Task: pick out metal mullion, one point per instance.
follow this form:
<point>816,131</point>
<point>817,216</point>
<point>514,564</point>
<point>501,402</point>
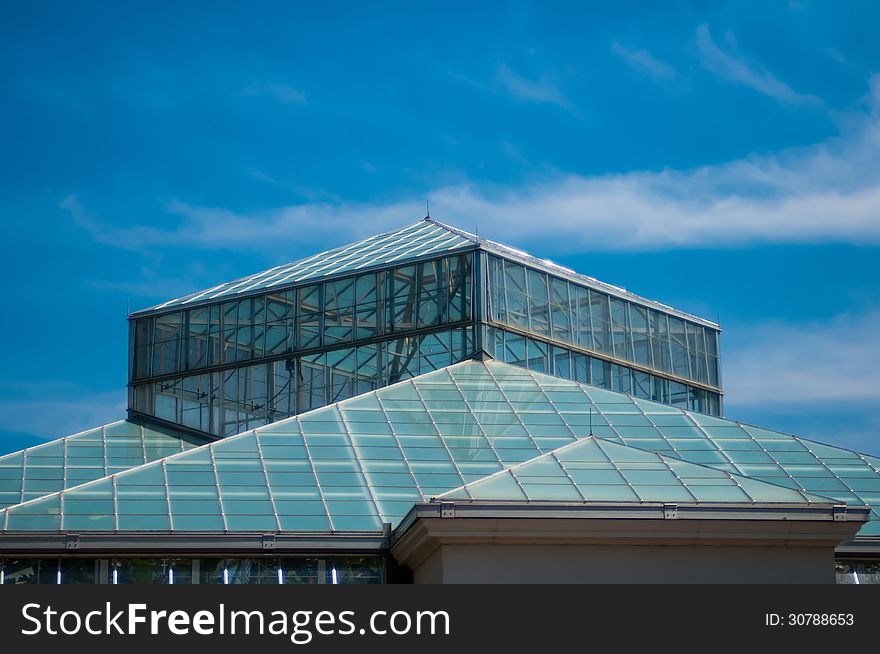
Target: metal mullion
<point>735,481</point>
<point>684,483</point>
<point>525,259</point>
<point>115,504</point>
<point>360,466</point>
<point>437,247</point>
<point>317,480</point>
<point>442,238</point>
<point>266,477</point>
<point>346,253</point>
<point>260,277</point>
<point>168,496</point>
<point>199,295</point>
<point>607,420</point>
<point>477,422</point>
<point>552,404</point>
<point>397,440</point>
<point>217,486</point>
<point>422,238</point>
<point>568,476</point>
<point>821,462</point>
<point>143,435</point>
<point>24,468</point>
<point>611,358</point>
<point>439,435</point>
<point>264,276</point>
<point>64,463</point>
<point>620,472</point>
<point>387,247</point>
<point>355,249</point>
<point>660,430</point>
<point>409,250</point>
<point>106,453</point>
<point>522,424</point>
<point>283,285</point>
<point>515,413</point>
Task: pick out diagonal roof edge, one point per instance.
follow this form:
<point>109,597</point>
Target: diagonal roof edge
<point>820,499</point>
<point>212,443</point>
<point>552,267</point>
<point>282,277</point>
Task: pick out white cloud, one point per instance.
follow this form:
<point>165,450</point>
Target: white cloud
<point>644,61</point>
<point>827,192</point>
<point>779,364</point>
<point>542,90</point>
<point>736,68</point>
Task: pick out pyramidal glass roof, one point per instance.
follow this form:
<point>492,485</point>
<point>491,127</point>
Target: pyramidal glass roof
<point>362,462</point>
<point>83,457</point>
<point>423,238</point>
<point>593,470</point>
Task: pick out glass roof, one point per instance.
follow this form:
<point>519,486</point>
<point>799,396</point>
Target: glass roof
<point>83,457</point>
<point>420,239</point>
<point>594,470</point>
<point>353,465</point>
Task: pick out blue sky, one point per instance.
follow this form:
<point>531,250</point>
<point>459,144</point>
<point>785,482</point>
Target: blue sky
<point>723,158</point>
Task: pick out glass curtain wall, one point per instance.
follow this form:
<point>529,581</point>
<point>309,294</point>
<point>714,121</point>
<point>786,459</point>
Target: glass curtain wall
<point>231,401</point>
<point>229,367</point>
<point>569,364</point>
<point>566,312</point>
<point>349,309</point>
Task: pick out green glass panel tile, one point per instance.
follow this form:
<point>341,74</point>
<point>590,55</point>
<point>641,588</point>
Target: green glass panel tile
<point>608,493</point>
<point>551,492</point>
<point>663,493</point>
<point>713,493</point>
<point>256,522</point>
<point>827,451</point>
<point>356,522</point>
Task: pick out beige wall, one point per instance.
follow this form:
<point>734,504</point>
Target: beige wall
<point>546,563</point>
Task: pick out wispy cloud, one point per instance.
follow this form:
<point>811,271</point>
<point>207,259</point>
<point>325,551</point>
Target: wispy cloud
<point>736,68</point>
<point>829,191</point>
<point>644,61</point>
<point>783,364</point>
<point>126,238</point>
<point>56,414</point>
<point>542,90</point>
<point>283,93</point>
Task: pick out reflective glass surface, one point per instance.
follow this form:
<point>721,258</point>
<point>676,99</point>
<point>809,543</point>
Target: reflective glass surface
<point>562,362</point>
<point>421,239</point>
<point>595,470</point>
<point>567,312</point>
<point>359,463</point>
<point>230,401</point>
<point>395,300</point>
<point>83,457</point>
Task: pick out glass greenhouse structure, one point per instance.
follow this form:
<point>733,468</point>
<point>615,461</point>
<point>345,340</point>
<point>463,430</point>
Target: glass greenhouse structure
<point>295,425</point>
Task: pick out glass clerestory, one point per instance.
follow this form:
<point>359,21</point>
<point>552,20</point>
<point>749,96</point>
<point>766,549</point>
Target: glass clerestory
<point>552,307</point>
<point>227,367</point>
<point>396,305</point>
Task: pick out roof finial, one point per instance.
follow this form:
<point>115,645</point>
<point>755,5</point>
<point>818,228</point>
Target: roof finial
<point>591,420</point>
<point>427,208</point>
